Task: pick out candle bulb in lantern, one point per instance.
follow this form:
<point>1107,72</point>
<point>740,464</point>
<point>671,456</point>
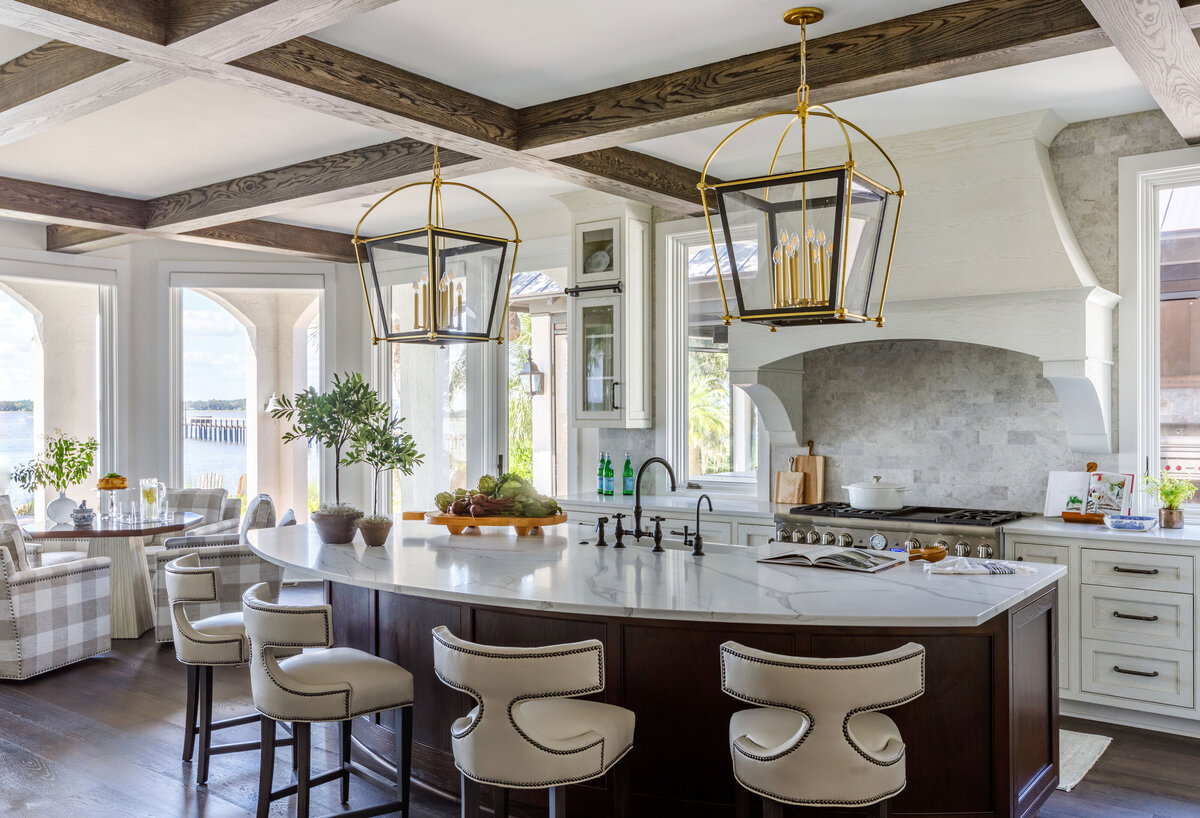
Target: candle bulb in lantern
<point>458,315</point>
<point>416,308</point>
<point>824,266</point>
<point>794,255</point>
<point>777,257</point>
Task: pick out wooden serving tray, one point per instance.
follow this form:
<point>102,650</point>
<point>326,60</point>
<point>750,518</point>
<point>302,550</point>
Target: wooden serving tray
<point>1080,517</point>
<point>461,523</point>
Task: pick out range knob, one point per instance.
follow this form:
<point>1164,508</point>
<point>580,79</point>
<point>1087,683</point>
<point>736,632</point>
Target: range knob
<point>784,535</point>
<point>942,544</point>
<point>845,540</point>
<point>984,552</point>
<point>962,549</point>
<point>912,544</point>
<point>827,538</point>
<point>814,537</point>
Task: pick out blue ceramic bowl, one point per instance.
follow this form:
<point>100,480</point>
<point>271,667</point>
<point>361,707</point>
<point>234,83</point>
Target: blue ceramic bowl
<point>1125,522</point>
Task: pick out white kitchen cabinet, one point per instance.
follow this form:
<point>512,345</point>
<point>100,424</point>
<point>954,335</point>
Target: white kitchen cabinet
<point>754,534</point>
<point>609,332</point>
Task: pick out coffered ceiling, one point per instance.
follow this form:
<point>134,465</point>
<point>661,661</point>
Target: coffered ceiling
<point>269,123</point>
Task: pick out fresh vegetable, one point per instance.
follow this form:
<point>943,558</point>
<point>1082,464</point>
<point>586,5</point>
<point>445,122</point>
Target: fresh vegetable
<point>507,495</point>
<point>443,500</point>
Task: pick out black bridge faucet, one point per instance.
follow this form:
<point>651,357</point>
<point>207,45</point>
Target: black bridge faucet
<point>638,533</point>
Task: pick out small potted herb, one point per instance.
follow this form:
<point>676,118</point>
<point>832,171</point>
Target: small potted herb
<point>64,462</point>
<point>330,418</point>
<point>383,445</point>
<point>1171,492</point>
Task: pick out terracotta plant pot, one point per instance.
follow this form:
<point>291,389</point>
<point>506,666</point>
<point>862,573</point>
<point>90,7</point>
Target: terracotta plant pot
<point>1170,517</point>
<point>334,529</point>
<point>375,533</point>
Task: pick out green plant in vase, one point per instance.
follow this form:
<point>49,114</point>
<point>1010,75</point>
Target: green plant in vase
<point>382,444</point>
<point>1171,492</point>
<point>65,461</point>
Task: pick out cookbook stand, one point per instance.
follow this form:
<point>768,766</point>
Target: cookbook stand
<point>1079,516</point>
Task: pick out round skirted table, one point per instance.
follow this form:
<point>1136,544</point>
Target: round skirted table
<point>124,544</point>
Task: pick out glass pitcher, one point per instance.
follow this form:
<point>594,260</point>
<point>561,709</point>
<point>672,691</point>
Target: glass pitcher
<point>153,495</point>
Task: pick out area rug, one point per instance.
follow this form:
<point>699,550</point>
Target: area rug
<point>1077,752</point>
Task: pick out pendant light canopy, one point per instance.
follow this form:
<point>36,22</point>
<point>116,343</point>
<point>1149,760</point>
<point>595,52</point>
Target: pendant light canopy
<point>432,284</point>
<point>825,235</point>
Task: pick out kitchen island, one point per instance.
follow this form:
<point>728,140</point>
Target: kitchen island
<point>982,741</point>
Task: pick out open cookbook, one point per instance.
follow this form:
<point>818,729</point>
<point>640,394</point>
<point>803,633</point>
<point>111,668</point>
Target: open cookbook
<point>845,559</point>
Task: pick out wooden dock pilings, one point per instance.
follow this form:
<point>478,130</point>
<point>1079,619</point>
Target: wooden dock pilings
<point>219,430</point>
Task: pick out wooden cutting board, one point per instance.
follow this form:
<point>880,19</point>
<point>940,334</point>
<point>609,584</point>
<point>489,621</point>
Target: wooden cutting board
<point>789,487</point>
<point>813,467</point>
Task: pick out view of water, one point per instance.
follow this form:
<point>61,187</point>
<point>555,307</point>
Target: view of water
<point>16,447</point>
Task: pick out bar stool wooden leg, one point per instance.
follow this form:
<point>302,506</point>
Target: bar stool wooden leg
<point>266,765</point>
<point>620,782</point>
<point>558,802</point>
<point>344,728</point>
<point>204,694</point>
<point>772,808</point>
<point>743,802</point>
<point>302,733</point>
<point>881,809</point>
<point>189,717</point>
<point>469,789</point>
<point>500,802</point>
<point>404,755</point>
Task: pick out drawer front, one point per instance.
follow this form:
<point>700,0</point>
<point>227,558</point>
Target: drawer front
<point>751,534</point>
<point>714,532</point>
<point>1137,672</point>
<point>1126,569</point>
<point>1156,618</point>
<point>1054,555</point>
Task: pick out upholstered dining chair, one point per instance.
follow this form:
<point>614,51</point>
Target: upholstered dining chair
<point>526,730</point>
<point>329,685</point>
<point>51,552</point>
<point>240,567</point>
<point>817,737</point>
<point>51,616</point>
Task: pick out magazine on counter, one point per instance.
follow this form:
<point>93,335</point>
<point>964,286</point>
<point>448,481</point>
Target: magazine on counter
<point>845,559</point>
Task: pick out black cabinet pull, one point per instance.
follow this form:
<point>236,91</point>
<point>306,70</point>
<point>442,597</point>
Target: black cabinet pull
<point>1148,571</point>
<point>1120,615</point>
<point>1147,673</point>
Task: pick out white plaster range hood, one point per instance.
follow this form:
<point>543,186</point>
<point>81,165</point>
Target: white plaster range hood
<point>984,255</point>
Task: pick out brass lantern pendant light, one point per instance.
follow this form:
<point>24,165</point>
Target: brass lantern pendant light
<point>825,235</point>
<point>433,284</point>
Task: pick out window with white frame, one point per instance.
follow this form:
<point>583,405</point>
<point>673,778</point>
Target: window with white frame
<point>712,425</point>
<point>1160,317</point>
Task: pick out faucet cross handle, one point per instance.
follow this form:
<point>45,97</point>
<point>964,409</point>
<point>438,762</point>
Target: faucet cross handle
<point>620,530</point>
<point>658,535</point>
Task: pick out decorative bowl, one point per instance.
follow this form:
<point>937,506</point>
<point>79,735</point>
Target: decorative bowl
<point>1126,522</point>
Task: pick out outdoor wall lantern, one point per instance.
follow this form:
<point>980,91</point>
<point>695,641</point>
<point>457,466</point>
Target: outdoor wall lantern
<point>531,377</point>
<point>825,235</point>
<point>432,284</point>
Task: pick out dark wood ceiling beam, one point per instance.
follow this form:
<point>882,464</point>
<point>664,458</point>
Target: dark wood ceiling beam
<point>275,237</point>
<point>142,19</point>
<point>21,199</point>
<point>66,238</point>
<point>48,68</point>
<point>1155,39</point>
<point>633,175</point>
<point>186,18</point>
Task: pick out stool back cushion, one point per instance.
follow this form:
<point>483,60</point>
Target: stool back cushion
<point>492,743</point>
<point>12,540</point>
<point>259,514</point>
<point>829,761</point>
<point>188,582</point>
<point>288,518</point>
<point>205,502</point>
<point>216,641</point>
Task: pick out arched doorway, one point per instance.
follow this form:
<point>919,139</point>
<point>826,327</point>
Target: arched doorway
<point>22,387</point>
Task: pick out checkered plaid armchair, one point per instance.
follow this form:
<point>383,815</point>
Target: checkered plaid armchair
<point>50,616</point>
<point>240,567</point>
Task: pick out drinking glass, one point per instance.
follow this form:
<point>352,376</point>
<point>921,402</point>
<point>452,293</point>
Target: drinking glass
<point>153,492</point>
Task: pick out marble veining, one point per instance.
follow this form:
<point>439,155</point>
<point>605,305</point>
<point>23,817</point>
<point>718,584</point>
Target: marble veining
<point>1187,537</point>
<point>554,573</point>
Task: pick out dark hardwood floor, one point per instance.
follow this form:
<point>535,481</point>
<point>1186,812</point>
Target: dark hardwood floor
<point>103,738</point>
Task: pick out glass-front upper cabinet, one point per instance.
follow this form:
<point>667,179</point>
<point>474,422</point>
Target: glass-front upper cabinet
<point>610,331</point>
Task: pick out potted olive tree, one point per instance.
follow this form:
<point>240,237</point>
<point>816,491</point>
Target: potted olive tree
<point>1171,492</point>
<point>330,418</point>
<point>383,445</point>
<point>64,462</point>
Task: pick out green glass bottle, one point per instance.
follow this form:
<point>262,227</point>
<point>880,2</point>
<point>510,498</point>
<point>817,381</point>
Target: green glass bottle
<point>609,482</point>
<point>627,476</point>
<point>600,474</point>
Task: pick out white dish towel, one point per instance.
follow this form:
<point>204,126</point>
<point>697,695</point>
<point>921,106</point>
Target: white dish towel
<point>962,565</point>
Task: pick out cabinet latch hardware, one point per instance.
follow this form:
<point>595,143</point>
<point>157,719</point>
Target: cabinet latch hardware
<point>1148,571</point>
<point>1150,674</point>
<point>1120,615</point>
<point>575,292</point>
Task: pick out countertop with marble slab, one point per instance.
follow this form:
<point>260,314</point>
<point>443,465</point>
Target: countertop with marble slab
<point>1189,535</point>
<point>554,573</point>
<point>682,501</point>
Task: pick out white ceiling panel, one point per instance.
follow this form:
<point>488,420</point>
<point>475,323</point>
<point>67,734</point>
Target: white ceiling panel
<point>522,52</point>
<point>1079,87</point>
<point>518,191</point>
<point>14,42</point>
<point>179,136</point>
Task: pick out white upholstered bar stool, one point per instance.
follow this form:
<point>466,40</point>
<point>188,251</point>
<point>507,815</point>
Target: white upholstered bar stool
<point>820,739</point>
<point>526,732</point>
<point>335,684</point>
<point>202,645</point>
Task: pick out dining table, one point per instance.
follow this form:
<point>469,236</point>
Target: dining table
<point>123,542</point>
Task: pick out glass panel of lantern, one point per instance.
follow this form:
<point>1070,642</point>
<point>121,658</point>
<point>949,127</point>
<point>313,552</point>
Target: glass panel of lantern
<point>443,296</point>
<point>799,220</point>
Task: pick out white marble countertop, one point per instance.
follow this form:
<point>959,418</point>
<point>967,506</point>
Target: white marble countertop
<point>684,502</point>
<point>1189,535</point>
<point>554,573</point>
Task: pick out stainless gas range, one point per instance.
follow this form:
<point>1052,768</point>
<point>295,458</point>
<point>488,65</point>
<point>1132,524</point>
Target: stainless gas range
<point>965,532</point>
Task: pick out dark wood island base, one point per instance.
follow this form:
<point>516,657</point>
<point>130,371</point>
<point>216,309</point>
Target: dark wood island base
<point>981,743</point>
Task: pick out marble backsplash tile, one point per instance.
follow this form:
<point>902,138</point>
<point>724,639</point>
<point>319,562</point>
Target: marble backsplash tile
<point>961,424</point>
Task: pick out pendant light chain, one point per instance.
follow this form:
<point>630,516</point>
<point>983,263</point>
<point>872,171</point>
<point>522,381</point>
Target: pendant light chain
<point>802,101</point>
